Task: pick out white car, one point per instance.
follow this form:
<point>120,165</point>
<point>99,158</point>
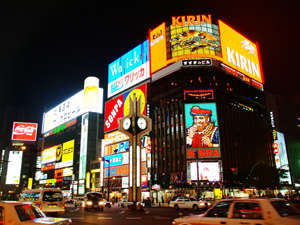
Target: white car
<point>246,211</point>
<point>26,213</point>
<point>189,203</point>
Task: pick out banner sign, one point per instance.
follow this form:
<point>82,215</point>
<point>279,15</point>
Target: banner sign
<point>83,146</point>
<point>205,153</point>
<point>129,70</point>
<point>119,107</point>
<point>24,131</point>
<point>240,53</point>
<point>117,171</point>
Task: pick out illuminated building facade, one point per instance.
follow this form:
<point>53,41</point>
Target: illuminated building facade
<point>71,140</point>
<point>210,122</point>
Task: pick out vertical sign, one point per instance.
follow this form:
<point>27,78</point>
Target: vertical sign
<point>14,167</point>
<point>83,146</point>
<point>158,48</point>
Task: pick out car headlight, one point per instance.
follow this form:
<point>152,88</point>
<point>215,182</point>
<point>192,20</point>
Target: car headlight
<point>100,203</point>
<point>89,203</point>
<point>208,203</point>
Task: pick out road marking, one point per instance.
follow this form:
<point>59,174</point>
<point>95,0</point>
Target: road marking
<point>104,218</point>
<point>133,218</point>
<point>77,218</point>
<point>161,217</point>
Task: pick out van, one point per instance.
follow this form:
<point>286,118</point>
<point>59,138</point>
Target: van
<point>49,200</point>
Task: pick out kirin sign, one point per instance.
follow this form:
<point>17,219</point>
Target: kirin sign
<point>24,131</point>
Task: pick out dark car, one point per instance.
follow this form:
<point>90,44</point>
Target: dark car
<point>94,200</point>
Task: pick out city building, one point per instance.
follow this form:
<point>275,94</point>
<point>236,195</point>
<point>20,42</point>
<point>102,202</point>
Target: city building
<point>71,140</point>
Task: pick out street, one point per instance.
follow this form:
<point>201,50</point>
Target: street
<point>116,216</point>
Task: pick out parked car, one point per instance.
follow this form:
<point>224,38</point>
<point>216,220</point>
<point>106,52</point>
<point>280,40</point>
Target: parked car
<point>93,200</point>
<point>189,203</point>
<point>246,211</point>
<point>26,213</point>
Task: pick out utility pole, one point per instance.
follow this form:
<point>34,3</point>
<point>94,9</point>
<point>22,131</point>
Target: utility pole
<point>135,125</point>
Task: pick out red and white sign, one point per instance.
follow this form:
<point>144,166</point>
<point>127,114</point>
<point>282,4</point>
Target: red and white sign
<point>119,107</point>
<point>24,131</point>
<point>113,111</point>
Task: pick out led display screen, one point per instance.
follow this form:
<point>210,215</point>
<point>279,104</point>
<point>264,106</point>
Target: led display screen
<point>129,70</point>
<point>202,130</point>
<point>73,107</point>
<point>195,40</point>
<point>240,53</point>
<point>119,107</point>
<point>207,171</point>
<point>281,158</point>
<point>24,131</point>
<point>14,167</point>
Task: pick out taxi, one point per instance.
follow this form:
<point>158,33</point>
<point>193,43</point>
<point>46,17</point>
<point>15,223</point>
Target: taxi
<point>18,213</point>
<point>188,203</point>
<point>245,211</point>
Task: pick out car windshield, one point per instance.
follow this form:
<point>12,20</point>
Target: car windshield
<point>28,212</point>
<point>93,196</point>
<point>285,209</point>
<point>52,196</point>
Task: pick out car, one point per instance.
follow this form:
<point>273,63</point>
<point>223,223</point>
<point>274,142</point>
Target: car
<point>27,213</point>
<point>246,211</point>
<point>126,203</point>
<point>93,200</point>
<point>49,200</point>
<point>107,203</point>
<point>188,203</point>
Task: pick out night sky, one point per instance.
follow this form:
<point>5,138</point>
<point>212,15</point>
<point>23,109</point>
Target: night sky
<point>47,48</point>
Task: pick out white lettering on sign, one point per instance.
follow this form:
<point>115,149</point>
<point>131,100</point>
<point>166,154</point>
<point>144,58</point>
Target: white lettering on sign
<point>242,62</point>
<point>113,113</point>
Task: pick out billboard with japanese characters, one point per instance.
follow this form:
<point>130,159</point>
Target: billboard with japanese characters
<point>129,70</point>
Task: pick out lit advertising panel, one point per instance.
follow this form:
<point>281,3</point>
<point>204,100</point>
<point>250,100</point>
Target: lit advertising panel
<point>24,131</point>
<point>115,136</point>
<point>68,151</point>
<point>83,146</point>
<point>119,107</point>
<point>14,167</point>
<point>116,148</point>
<point>129,70</point>
<point>202,130</point>
<point>116,160</point>
<point>209,171</point>
<point>196,38</point>
<point>240,53</point>
<point>158,48</point>
<point>73,107</point>
<point>281,158</point>
<point>49,155</point>
<point>117,171</point>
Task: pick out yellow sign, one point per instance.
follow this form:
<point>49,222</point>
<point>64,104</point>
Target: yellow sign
<point>29,186</point>
<point>51,181</point>
<point>48,155</point>
<point>139,94</point>
<point>218,193</point>
<point>59,152</point>
<point>68,151</point>
<point>158,48</point>
<point>87,180</point>
<point>95,171</point>
<point>240,53</point>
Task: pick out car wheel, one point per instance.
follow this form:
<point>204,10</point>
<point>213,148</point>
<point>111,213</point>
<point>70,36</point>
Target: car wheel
<point>195,207</point>
<point>176,207</point>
